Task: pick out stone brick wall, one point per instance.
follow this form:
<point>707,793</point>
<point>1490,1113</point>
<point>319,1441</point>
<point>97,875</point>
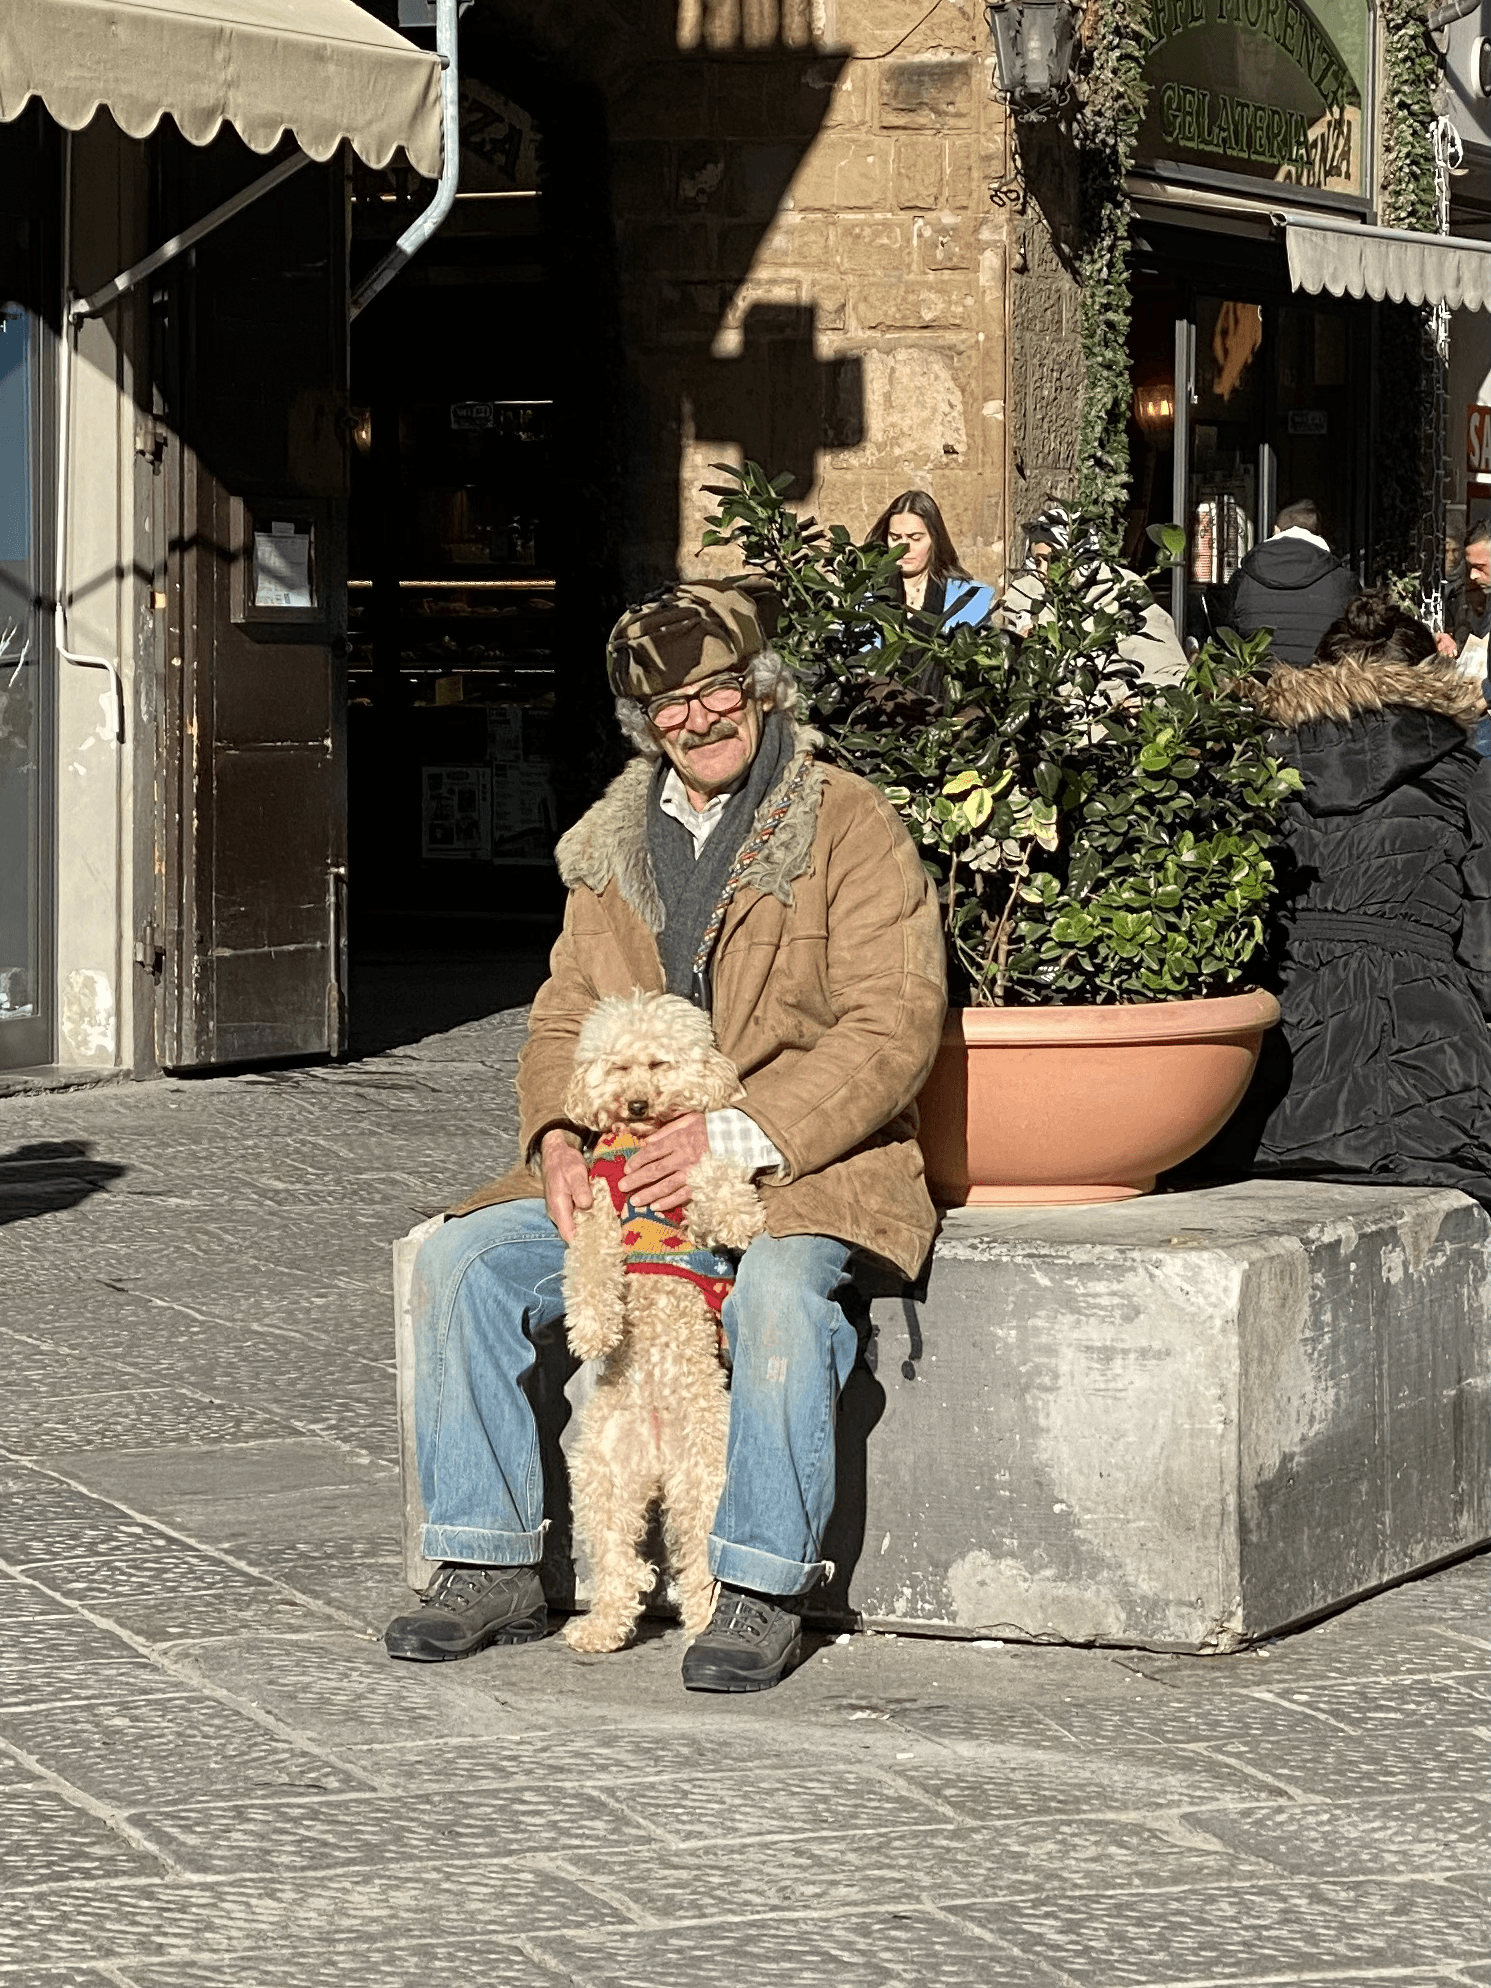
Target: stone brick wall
<point>881,281</point>
<point>809,269</point>
<point>1045,399</point>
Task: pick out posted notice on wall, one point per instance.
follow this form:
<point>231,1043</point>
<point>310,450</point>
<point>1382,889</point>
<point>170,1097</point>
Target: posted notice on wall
<point>282,567</point>
<point>1478,439</point>
<point>456,812</point>
<point>524,815</point>
<point>522,798</point>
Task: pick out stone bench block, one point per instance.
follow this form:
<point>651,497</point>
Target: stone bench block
<point>1183,1422</point>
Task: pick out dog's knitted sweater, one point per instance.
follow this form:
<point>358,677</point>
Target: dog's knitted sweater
<point>656,1242</point>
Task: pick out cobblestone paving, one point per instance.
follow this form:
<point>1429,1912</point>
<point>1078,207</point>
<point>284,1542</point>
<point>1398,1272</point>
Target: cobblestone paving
<point>211,1777</point>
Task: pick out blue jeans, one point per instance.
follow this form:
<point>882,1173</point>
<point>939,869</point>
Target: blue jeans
<point>486,1283</point>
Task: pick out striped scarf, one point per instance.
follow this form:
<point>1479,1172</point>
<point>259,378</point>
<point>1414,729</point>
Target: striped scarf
<point>697,888</point>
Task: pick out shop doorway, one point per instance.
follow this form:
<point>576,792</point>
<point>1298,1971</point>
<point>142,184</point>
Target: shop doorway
<point>1246,397</point>
<point>248,510</point>
<point>456,569</point>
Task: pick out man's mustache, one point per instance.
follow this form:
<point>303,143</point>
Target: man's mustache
<point>721,729</point>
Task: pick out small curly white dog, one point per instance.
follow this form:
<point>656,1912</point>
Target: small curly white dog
<point>642,1293</point>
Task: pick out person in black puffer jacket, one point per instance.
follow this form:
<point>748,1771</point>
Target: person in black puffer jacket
<point>1293,584</point>
<point>1381,1070</point>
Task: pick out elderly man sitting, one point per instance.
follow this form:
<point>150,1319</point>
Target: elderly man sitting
<point>726,864</point>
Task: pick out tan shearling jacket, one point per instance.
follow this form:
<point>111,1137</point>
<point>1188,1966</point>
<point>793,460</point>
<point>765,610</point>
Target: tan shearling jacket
<point>829,994</point>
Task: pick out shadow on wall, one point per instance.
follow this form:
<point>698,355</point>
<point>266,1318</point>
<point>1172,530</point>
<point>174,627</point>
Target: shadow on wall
<point>777,401</point>
<point>45,1178</point>
<point>1045,400</point>
<point>684,159</point>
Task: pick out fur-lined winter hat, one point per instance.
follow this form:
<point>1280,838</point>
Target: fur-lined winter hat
<point>690,631</point>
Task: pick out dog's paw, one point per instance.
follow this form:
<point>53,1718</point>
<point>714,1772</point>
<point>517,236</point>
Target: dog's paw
<point>594,1283</point>
<point>594,1334</point>
<point>596,1633</point>
<point>725,1210</point>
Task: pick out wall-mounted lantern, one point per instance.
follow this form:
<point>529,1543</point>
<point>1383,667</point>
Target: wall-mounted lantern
<point>1154,409</point>
<point>1034,43</point>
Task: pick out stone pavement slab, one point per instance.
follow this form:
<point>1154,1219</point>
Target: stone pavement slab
<point>401,1963</point>
<point>1241,1931</point>
<point>128,1752</point>
<point>1435,1835</point>
<point>64,1659</point>
<point>50,1840</point>
<point>130,1922</point>
<point>69,1977</point>
<point>212,1777</point>
<point>343,1692</point>
<point>454,1828</point>
<point>130,1419</point>
<point>903,1865</point>
<point>906,1947</point>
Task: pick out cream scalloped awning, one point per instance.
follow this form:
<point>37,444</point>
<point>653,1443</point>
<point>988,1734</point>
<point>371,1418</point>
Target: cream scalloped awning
<point>1389,262</point>
<point>323,70</point>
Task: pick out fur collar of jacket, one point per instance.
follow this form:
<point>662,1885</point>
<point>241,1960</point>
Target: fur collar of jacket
<point>1322,692</point>
<point>609,842</point>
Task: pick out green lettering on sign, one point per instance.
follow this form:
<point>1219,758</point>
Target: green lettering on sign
<point>1290,99</point>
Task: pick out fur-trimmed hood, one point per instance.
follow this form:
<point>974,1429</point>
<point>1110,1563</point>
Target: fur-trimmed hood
<point>1340,691</point>
<point>1357,731</point>
<point>609,841</point>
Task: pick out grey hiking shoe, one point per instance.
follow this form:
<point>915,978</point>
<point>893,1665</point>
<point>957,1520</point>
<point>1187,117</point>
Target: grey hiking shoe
<point>466,1609</point>
<point>750,1645</point>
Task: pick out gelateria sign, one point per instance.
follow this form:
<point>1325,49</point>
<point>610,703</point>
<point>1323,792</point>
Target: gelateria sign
<point>1267,89</point>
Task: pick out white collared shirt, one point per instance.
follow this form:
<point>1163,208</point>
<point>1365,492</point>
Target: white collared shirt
<point>1298,531</point>
<point>701,823</point>
<point>732,1134</point>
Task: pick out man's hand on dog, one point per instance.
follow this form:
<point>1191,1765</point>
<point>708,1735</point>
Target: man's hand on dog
<point>566,1182</point>
<point>658,1176</point>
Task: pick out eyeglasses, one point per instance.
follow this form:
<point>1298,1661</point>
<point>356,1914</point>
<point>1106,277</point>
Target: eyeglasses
<point>718,695</point>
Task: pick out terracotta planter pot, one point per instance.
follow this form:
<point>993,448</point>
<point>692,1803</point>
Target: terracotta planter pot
<point>1032,1105</point>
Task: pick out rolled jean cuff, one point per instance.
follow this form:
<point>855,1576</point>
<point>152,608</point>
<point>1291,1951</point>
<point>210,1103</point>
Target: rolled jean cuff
<point>749,1567</point>
<point>474,1547</point>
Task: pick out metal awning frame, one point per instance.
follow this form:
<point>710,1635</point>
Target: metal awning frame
<point>128,279</point>
<point>1411,237</point>
<point>409,243</point>
<point>1408,238</point>
<point>77,309</point>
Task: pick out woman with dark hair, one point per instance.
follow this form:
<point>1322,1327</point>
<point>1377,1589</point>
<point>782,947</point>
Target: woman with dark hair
<point>931,576</point>
<point>1381,1070</point>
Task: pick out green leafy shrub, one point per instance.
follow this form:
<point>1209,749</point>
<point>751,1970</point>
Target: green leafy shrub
<point>1093,838</point>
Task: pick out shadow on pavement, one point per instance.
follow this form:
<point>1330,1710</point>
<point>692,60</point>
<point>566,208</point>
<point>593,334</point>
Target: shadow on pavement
<point>44,1178</point>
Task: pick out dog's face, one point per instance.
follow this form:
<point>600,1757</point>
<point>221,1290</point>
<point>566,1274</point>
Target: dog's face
<point>645,1058</point>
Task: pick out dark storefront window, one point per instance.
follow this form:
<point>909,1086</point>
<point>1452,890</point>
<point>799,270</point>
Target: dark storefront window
<point>1275,404</point>
<point>1260,90</point>
<point>463,521</point>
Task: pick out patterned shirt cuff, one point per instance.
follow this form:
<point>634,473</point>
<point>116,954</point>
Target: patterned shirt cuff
<point>735,1135</point>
